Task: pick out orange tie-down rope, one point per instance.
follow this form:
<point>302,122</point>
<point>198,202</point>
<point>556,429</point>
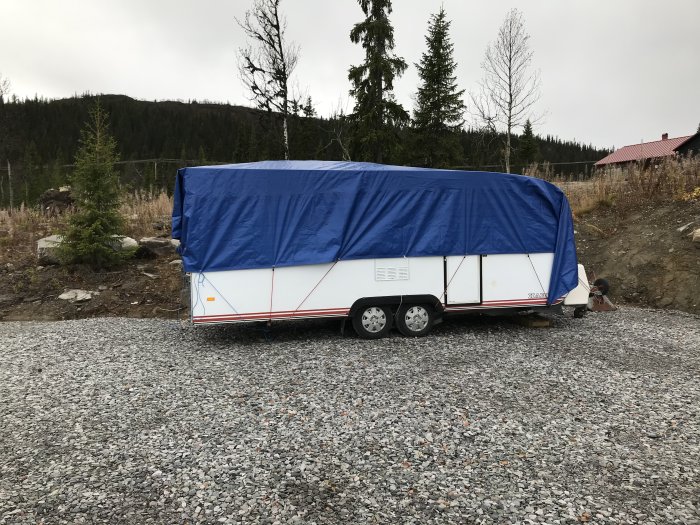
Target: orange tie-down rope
<point>452,278</point>
<point>307,295</point>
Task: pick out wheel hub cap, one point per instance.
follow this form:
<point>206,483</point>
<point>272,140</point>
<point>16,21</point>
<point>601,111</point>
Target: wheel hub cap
<point>416,318</point>
<point>373,320</point>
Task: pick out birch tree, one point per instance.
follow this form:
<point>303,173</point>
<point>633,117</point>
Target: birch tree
<point>510,87</point>
<point>268,62</point>
<point>5,139</point>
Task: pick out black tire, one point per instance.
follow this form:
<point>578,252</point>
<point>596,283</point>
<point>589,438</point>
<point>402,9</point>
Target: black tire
<point>602,285</point>
<point>372,322</point>
<point>415,320</point>
<point>580,312</point>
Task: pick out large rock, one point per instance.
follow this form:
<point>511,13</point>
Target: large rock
<point>159,246</point>
<point>125,243</point>
<point>47,249</point>
<point>55,201</point>
<point>77,296</point>
<point>685,227</point>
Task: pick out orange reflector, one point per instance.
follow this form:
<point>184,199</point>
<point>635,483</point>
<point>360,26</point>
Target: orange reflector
<point>211,299</point>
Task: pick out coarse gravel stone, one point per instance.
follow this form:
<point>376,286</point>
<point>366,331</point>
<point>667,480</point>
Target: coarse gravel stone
<point>127,421</point>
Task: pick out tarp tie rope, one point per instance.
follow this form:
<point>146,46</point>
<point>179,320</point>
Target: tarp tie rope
<point>314,288</point>
<point>272,291</point>
<point>451,278</point>
<point>204,277</point>
<point>536,275</point>
<point>196,283</point>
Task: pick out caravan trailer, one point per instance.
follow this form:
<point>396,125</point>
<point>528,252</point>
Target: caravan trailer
<point>385,246</point>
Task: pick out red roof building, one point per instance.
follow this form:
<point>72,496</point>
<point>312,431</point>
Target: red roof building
<point>647,151</point>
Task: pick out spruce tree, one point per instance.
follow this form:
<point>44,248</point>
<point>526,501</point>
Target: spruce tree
<point>528,152</point>
<point>376,115</point>
<point>91,237</point>
<point>439,106</point>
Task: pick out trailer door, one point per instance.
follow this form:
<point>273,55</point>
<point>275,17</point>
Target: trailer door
<point>463,279</point>
<point>518,278</point>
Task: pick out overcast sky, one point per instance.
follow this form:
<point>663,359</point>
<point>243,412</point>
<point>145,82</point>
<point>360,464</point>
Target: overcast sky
<point>613,72</point>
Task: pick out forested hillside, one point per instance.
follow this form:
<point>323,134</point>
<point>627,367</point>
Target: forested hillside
<point>40,137</point>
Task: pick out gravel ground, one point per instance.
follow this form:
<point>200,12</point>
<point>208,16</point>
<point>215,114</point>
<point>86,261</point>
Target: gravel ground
<point>142,421</point>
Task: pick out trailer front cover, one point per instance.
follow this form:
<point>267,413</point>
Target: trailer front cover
<point>288,213</point>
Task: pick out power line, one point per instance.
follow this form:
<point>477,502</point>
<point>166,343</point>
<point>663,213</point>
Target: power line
<point>523,165</point>
<point>219,163</point>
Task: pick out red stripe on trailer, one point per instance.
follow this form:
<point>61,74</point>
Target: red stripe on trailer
<point>501,304</point>
<point>261,316</point>
<point>269,316</point>
<point>276,312</point>
<point>235,318</point>
<point>529,299</point>
<point>339,312</point>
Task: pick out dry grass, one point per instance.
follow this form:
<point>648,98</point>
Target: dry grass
<point>628,188</point>
<point>144,211</point>
<point>146,215</point>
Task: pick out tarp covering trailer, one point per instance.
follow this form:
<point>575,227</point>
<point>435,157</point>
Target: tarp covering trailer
<point>288,239</point>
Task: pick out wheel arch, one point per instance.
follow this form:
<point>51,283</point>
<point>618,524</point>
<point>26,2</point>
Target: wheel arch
<point>396,300</point>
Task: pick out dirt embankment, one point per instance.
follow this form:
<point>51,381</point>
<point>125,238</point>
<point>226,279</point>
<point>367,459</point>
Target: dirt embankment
<point>643,255</point>
<point>140,288</point>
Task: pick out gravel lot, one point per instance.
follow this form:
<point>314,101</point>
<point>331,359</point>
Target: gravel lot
<point>142,421</point>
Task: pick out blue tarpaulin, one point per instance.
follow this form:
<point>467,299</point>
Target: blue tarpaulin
<point>289,213</point>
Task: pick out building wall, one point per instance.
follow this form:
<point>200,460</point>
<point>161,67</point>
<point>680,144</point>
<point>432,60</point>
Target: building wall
<point>691,146</point>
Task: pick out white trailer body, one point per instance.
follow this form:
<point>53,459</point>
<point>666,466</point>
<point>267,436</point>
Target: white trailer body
<point>455,283</point>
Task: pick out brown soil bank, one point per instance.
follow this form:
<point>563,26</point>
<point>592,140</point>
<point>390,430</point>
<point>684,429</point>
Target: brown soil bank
<point>137,289</point>
<point>643,255</point>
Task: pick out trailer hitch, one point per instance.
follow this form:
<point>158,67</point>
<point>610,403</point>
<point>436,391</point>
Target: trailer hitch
<point>598,300</point>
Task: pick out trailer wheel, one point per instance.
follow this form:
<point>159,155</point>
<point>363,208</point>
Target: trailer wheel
<point>580,312</point>
<point>415,320</point>
<point>372,322</point>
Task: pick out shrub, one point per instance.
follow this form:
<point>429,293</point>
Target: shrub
<point>90,236</point>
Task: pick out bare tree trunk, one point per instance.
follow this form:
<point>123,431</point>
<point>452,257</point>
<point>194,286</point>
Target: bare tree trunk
<point>285,84</point>
<point>9,184</point>
<point>286,137</point>
<point>507,152</point>
<point>268,63</point>
<point>509,89</point>
<point>339,128</point>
